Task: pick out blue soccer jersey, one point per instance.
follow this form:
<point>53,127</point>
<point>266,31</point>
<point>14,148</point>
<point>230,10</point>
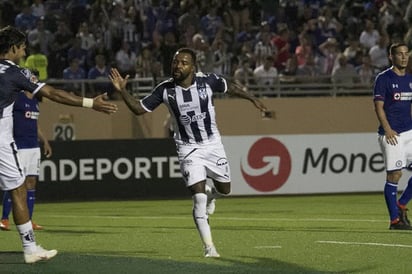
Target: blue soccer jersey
<point>191,108</point>
<point>25,116</point>
<point>396,93</point>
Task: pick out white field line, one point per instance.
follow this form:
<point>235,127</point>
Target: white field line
<point>268,247</point>
<point>219,218</point>
<point>360,243</point>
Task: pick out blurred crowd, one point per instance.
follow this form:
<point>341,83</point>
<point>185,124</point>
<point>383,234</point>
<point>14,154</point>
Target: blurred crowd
<point>254,41</point>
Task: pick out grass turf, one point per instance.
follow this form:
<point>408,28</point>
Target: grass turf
<point>299,234</point>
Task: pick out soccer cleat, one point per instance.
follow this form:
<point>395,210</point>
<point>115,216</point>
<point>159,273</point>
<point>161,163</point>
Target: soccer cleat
<point>4,225</point>
<point>36,226</point>
<point>403,215</point>
<point>210,252</point>
<point>40,254</point>
<point>210,205</point>
<point>400,225</point>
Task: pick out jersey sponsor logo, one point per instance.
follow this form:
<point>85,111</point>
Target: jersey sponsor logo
<point>402,96</point>
<point>32,115</point>
<point>221,162</point>
<point>186,119</point>
<point>267,165</point>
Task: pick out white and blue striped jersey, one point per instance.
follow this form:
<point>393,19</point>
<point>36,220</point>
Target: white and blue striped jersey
<point>396,93</point>
<point>192,109</point>
<point>13,80</point>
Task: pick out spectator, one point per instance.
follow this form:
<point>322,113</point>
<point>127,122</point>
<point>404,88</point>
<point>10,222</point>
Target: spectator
<point>308,72</point>
<point>25,20</point>
<point>126,60</point>
<point>369,36</point>
<point>366,71</point>
<point>167,50</point>
<point>211,24</point>
<point>239,11</point>
<point>41,36</point>
<point>221,64</point>
<point>37,61</point>
<point>244,74</point>
<point>352,49</point>
<point>265,75</point>
<point>38,8</point>
<point>330,51</point>
<point>100,72</point>
<point>74,72</point>
<point>344,75</point>
<point>63,40</point>
<point>87,39</point>
<point>282,44</point>
<point>288,75</point>
<point>304,49</point>
<point>379,53</point>
<point>264,48</point>
<point>76,52</point>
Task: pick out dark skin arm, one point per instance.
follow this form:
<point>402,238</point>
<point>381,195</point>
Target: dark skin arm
<point>239,90</point>
<point>64,97</point>
<point>120,85</point>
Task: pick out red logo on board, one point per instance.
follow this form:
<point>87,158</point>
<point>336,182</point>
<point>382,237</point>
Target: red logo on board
<point>267,165</point>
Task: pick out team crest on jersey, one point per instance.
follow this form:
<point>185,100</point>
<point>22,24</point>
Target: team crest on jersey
<point>397,96</point>
<point>29,75</point>
<point>202,93</point>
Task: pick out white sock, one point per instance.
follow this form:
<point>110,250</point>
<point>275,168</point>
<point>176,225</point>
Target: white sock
<point>201,219</point>
<point>27,236</point>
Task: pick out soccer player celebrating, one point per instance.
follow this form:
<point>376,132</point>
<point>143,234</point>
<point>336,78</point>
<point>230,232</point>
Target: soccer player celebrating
<point>13,80</point>
<point>392,99</point>
<point>188,96</point>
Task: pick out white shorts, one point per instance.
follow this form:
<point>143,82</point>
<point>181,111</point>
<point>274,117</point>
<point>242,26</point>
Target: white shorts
<point>30,160</point>
<point>11,172</point>
<point>199,162</point>
<point>398,156</point>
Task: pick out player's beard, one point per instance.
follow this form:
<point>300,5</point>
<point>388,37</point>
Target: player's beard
<point>179,76</point>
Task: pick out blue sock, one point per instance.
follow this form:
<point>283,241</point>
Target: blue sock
<point>30,201</point>
<point>407,194</point>
<point>390,192</point>
<point>6,205</point>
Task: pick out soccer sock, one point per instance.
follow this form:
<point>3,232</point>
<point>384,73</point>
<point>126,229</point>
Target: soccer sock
<point>6,205</point>
<point>201,219</point>
<point>407,194</point>
<point>31,197</point>
<point>390,192</point>
<point>27,236</point>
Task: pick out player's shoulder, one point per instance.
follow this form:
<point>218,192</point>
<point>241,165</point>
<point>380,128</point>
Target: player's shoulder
<point>166,84</point>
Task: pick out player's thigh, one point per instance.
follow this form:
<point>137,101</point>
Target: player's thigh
<point>217,165</point>
<point>11,173</point>
<point>394,155</point>
<point>30,160</point>
<point>192,165</point>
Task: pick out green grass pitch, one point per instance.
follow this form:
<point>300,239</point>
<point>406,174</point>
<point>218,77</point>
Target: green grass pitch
<point>277,234</point>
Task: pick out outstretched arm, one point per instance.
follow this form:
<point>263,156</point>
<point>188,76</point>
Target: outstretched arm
<point>120,84</point>
<point>239,90</point>
<point>64,97</point>
<point>46,145</point>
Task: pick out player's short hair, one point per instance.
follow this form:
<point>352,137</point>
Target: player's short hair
<point>188,51</point>
<point>395,46</point>
<point>10,36</point>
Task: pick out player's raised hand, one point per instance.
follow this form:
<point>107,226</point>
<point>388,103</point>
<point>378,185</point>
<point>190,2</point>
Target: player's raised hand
<point>118,81</point>
<point>101,104</point>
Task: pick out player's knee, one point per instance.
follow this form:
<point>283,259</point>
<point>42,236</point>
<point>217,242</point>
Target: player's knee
<point>394,176</point>
<point>223,188</point>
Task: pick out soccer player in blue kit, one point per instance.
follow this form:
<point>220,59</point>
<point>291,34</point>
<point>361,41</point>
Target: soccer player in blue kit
<point>189,97</point>
<point>392,99</point>
<point>13,80</point>
<point>26,135</point>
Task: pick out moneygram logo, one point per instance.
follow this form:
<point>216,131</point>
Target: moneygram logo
<point>267,165</point>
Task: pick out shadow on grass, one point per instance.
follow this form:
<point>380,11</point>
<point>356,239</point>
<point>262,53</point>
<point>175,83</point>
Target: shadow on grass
<point>69,263</point>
